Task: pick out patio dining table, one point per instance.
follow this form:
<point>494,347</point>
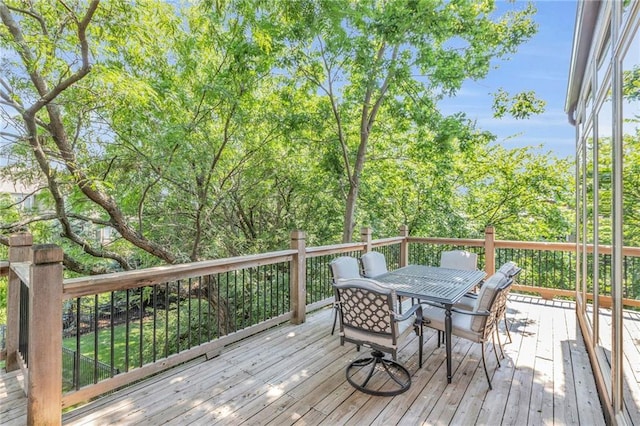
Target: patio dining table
<point>433,284</point>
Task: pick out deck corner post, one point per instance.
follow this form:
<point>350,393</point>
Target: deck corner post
<point>404,245</point>
<point>298,277</point>
<point>365,234</point>
<point>489,250</point>
<point>19,251</point>
<point>44,387</point>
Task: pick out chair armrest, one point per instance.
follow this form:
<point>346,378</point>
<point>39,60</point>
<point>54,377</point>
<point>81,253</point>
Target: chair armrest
<point>476,313</point>
<point>417,309</point>
<point>434,304</point>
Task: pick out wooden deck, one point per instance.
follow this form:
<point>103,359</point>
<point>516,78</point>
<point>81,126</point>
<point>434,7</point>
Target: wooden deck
<point>296,374</point>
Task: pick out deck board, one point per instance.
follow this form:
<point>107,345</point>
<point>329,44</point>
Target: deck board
<point>296,375</point>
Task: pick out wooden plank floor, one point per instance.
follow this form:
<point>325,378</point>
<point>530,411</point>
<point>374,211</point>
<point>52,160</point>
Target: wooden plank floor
<point>296,375</point>
<point>13,403</point>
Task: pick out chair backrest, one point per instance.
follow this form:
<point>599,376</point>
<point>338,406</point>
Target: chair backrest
<point>459,259</point>
<point>366,312</point>
<point>344,267</point>
<point>373,264</point>
<point>501,299</point>
<point>509,269</point>
<point>486,299</point>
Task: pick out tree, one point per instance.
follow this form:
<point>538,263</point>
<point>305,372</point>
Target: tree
<point>217,127</point>
<point>162,138</point>
<point>523,195</point>
<point>42,115</point>
<point>379,61</point>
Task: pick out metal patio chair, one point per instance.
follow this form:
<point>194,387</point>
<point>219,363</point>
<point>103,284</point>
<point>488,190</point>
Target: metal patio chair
<point>459,259</point>
<point>341,268</point>
<point>478,323</point>
<point>373,264</point>
<point>368,318</point>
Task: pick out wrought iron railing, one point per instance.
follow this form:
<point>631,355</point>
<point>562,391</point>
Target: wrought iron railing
<point>127,329</point>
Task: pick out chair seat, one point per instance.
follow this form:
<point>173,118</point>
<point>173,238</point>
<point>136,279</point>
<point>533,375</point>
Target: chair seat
<point>460,324</point>
<point>404,329</point>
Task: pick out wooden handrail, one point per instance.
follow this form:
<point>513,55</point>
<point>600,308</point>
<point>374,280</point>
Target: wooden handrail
<point>85,286</point>
<point>334,249</point>
<point>447,241</point>
<point>4,268</point>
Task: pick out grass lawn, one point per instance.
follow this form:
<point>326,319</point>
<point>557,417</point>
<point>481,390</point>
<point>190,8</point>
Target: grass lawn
<point>120,344</point>
<point>127,347</point>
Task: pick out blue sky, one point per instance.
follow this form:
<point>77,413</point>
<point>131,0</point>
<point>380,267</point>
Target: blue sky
<point>541,65</point>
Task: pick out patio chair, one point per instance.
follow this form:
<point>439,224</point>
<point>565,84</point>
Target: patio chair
<point>509,270</point>
<point>368,318</point>
<point>476,324</point>
<point>459,259</point>
<point>340,268</point>
<point>373,264</point>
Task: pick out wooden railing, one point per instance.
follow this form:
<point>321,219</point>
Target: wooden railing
<point>253,292</point>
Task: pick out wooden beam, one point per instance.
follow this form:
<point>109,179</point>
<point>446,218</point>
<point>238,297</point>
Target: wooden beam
<point>45,337</point>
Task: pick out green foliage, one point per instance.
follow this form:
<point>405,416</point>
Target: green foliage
<point>520,106</point>
<point>631,83</point>
<point>523,195</point>
<point>217,127</point>
<point>3,300</point>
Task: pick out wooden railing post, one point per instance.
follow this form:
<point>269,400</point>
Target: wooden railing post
<point>298,278</point>
<point>489,250</point>
<point>19,251</point>
<point>404,246</point>
<point>365,234</point>
<point>44,387</point>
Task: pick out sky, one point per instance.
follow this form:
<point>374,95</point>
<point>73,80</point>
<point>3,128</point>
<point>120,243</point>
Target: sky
<point>541,65</point>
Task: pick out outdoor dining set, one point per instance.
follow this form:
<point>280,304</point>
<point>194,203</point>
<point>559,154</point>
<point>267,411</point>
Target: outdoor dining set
<point>378,309</point>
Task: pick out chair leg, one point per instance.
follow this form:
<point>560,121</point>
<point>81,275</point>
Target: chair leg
<point>420,342</point>
<point>506,326</point>
<point>484,364</point>
<point>360,372</point>
<point>495,351</point>
<point>335,318</point>
<point>499,342</point>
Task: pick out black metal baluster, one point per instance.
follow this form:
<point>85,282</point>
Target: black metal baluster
<point>112,325</point>
<point>127,331</point>
<point>76,365</point>
<point>167,308</point>
<point>189,288</point>
<point>155,323</point>
<point>141,337</point>
<point>200,310</point>
<point>179,298</point>
<point>95,338</point>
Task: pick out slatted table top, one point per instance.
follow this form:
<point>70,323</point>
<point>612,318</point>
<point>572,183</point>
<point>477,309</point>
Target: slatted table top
<point>442,285</point>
